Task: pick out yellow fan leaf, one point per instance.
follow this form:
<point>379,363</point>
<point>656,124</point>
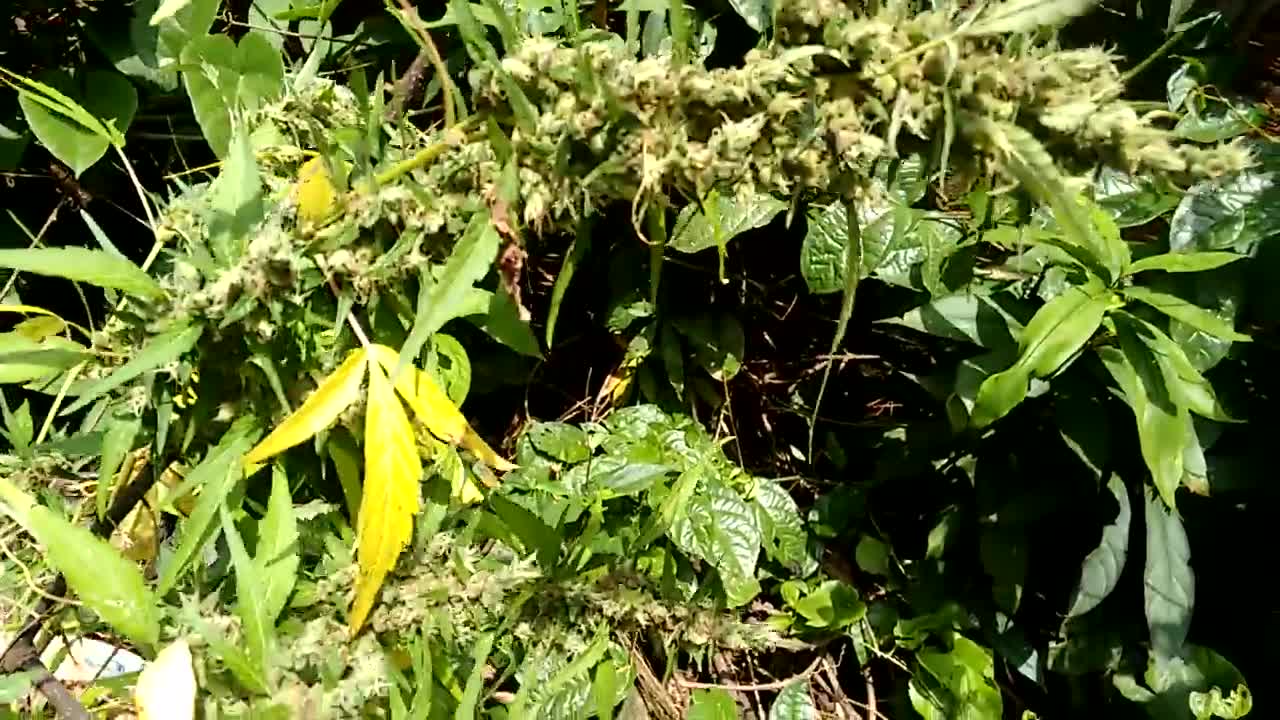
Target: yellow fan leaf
<point>334,395</point>
<point>166,687</point>
<point>392,471</point>
<point>434,409</point>
<point>316,196</point>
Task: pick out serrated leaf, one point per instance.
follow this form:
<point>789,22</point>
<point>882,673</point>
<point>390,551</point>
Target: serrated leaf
<point>433,408</point>
<point>96,267</point>
<point>1102,566</point>
<point>235,200</point>
<point>1183,311</point>
<point>258,632</point>
<point>717,220</point>
<point>103,579</point>
<point>166,687</point>
<point>117,441</point>
<point>1057,332</point>
<point>1168,581</point>
<point>794,703</point>
<point>1016,16</point>
<point>442,299</point>
<point>720,528</point>
<point>334,395</point>
<point>276,556</point>
<point>23,359</point>
<point>1184,262</point>
<point>391,495</point>
<point>160,350</point>
<point>783,535</point>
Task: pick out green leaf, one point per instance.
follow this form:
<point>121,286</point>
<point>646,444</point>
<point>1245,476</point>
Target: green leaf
<point>257,630</point>
<point>173,34</point>
<point>1059,329</point>
<point>872,555</point>
<point>623,476</point>
<point>1016,16</point>
<point>720,528</point>
<point>956,684</point>
<point>466,709</point>
<point>757,13</point>
<point>1169,584</point>
<point>578,250</point>
<point>1184,262</point>
<point>95,267</point>
<point>1183,311</point>
<point>536,535</point>
<point>442,299</point>
<point>107,97</point>
<point>117,441</point>
<point>1186,387</point>
<point>15,686</point>
<point>1177,8</point>
<point>276,557</point>
<point>968,316</point>
<point>214,477</point>
<point>223,78</point>
<point>23,359</point>
<point>714,704</point>
<point>160,350</point>
<point>504,324</point>
<point>1132,200</point>
<point>562,441</point>
<point>833,605</point>
<point>235,200</point>
<point>1161,425</point>
<point>1231,213</point>
<point>783,534</point>
<point>1221,122</point>
<point>822,251</point>
<point>717,220</point>
<point>104,580</point>
<point>1102,567</point>
<point>794,703</point>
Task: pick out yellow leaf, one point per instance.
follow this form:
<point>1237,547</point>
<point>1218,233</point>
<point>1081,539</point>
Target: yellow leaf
<point>434,409</point>
<point>334,395</point>
<point>316,196</point>
<point>166,688</point>
<point>392,471</point>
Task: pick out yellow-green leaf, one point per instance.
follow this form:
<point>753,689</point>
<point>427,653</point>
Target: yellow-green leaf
<point>434,409</point>
<point>334,395</point>
<point>167,685</point>
<point>392,471</point>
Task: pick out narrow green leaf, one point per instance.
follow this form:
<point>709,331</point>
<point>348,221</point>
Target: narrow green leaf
<point>257,631</point>
<point>1187,388</point>
<point>1193,315</point>
<point>117,441</point>
<point>1161,428</point>
<point>441,299</point>
<point>214,477</point>
<point>1185,262</point>
<point>235,199</point>
<point>475,681</point>
<point>1168,581</point>
<point>536,535</point>
<point>276,557</point>
<point>1102,567</point>
<point>103,579</point>
<point>604,689</point>
<point>160,350</point>
<point>578,250</point>
<point>95,267</point>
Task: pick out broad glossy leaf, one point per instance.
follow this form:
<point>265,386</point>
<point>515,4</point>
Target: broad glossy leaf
<point>276,556</point>
<point>1130,200</point>
<point>1057,332</point>
<point>1184,262</point>
<point>442,299</point>
<point>562,441</point>
<point>103,579</point>
<point>964,680</point>
<point>162,349</point>
<point>717,220</point>
<point>784,537</point>
<point>108,97</point>
<point>833,605</point>
<point>193,20</point>
<point>391,495</point>
<point>714,704</point>
<point>970,317</point>
<point>214,478</point>
<point>1168,581</point>
<point>1183,311</point>
<point>757,13</point>
<point>221,76</point>
<point>615,476</point>
<point>258,630</point>
<point>1220,122</point>
<point>721,528</point>
<point>96,267</point>
<point>794,703</point>
<point>1102,567</point>
<point>1161,427</point>
<point>1231,213</point>
<point>166,688</point>
<point>334,395</point>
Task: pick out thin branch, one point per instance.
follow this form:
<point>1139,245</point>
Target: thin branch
<point>733,687</point>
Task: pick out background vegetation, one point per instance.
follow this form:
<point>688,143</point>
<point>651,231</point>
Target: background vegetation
<point>642,359</point>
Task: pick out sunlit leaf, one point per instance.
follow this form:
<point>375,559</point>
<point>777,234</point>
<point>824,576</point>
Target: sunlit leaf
<point>160,350</point>
<point>1015,16</point>
<point>106,105</point>
<point>717,220</point>
<point>1169,583</point>
<point>320,409</point>
<point>257,629</point>
<point>1184,262</point>
<point>1191,314</point>
<point>95,267</point>
<point>221,76</point>
<point>714,704</point>
<point>722,529</point>
<point>276,556</point>
<point>391,495</point>
<point>1161,425</point>
<point>166,688</point>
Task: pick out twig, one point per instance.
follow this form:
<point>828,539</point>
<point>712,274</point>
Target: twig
<point>733,687</point>
<point>871,691</point>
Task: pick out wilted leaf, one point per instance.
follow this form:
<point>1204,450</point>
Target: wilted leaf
<point>391,495</point>
<point>1168,581</point>
<point>1102,567</point>
<point>334,395</point>
<point>316,195</point>
<point>166,688</point>
<point>106,582</point>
